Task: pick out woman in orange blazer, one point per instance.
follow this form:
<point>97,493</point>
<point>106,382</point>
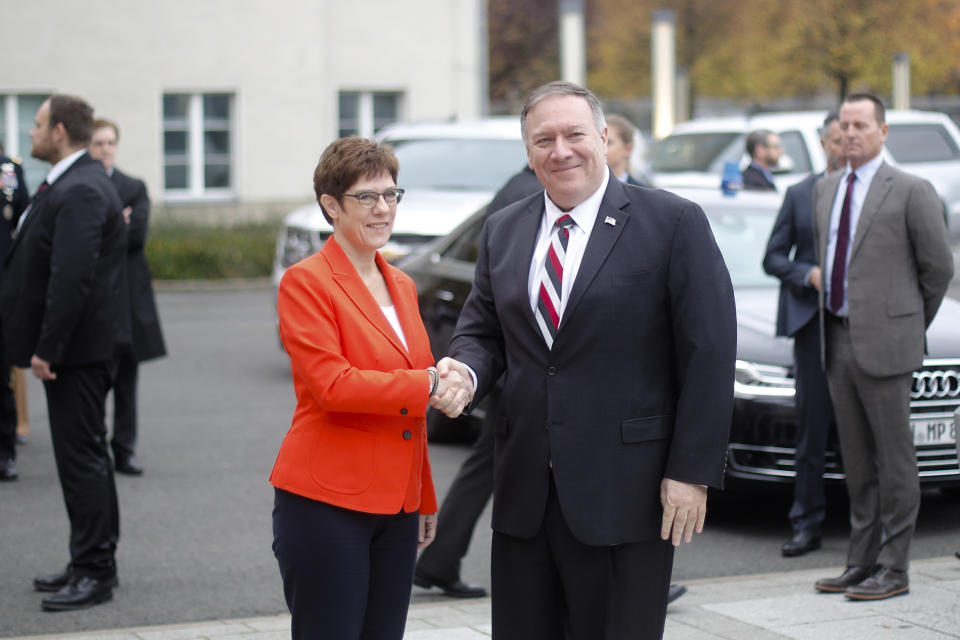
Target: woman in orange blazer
<point>354,494</point>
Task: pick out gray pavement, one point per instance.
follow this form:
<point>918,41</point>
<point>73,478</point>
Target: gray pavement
<point>754,607</point>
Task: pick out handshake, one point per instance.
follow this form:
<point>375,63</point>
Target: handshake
<point>453,390</point>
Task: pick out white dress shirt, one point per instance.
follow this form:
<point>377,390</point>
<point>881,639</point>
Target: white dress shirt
<point>584,215</point>
<point>861,185</point>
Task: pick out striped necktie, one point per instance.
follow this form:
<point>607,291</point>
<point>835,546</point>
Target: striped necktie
<point>551,280</point>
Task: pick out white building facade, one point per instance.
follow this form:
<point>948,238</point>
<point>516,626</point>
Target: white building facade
<point>226,105</point>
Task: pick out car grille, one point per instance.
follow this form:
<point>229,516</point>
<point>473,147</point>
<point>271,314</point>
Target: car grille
<point>935,396</point>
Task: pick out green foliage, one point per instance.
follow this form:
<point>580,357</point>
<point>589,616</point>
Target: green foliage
<point>183,251</point>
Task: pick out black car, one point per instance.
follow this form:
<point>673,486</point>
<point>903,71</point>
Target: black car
<point>763,429</point>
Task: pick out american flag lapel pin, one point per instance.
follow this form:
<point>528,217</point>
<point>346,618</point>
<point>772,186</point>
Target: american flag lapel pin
<point>610,221</point>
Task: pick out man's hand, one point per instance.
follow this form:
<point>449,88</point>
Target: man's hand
<point>455,388</point>
<point>126,214</point>
<point>41,369</point>
<point>684,510</point>
<point>428,530</point>
<point>814,277</point>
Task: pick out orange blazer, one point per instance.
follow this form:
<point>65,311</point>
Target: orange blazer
<point>358,438</point>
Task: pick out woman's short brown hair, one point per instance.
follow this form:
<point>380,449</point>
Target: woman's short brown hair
<point>347,160</point>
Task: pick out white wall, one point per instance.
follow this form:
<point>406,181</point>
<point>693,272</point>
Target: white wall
<point>285,61</point>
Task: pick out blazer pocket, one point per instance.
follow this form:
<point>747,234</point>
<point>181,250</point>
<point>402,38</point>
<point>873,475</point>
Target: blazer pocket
<point>646,429</point>
<point>343,459</point>
<point>904,306</point>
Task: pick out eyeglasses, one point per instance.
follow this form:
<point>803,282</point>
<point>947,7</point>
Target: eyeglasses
<point>369,199</point>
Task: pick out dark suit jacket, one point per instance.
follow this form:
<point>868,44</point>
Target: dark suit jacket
<point>899,269</point>
<point>13,200</point>
<point>520,185</point>
<point>794,229</point>
<point>755,180</point>
<point>63,292</point>
<point>144,320</point>
<point>639,382</point>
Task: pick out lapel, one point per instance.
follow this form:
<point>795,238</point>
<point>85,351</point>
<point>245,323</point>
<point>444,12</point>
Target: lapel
<point>346,276</point>
<point>879,188</point>
<point>520,246</point>
<point>602,238</point>
<point>822,211</point>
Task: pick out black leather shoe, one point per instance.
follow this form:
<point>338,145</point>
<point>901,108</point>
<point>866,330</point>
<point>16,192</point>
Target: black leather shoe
<point>849,578</point>
<point>80,592</point>
<point>676,590</point>
<point>801,542</point>
<point>885,583</point>
<point>454,589</point>
<point>52,582</point>
<point>128,465</point>
<point>8,470</point>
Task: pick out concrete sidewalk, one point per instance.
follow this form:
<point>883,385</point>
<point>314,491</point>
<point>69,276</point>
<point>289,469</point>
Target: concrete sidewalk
<point>756,607</point>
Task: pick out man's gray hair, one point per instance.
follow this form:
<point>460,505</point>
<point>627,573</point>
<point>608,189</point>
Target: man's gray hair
<point>562,88</point>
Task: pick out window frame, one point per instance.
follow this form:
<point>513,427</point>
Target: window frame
<point>196,189</point>
<point>364,118</point>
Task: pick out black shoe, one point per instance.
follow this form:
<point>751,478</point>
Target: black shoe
<point>453,589</point>
<point>80,592</point>
<point>885,583</point>
<point>128,465</point>
<point>801,542</point>
<point>54,581</point>
<point>852,576</point>
<point>8,470</point>
<point>676,590</point>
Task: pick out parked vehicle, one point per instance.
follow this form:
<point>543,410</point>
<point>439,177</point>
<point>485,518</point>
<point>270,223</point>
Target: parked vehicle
<point>924,143</point>
<point>448,169</point>
<point>763,429</point>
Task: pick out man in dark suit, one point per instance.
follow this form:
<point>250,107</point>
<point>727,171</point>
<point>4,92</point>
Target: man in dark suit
<point>764,148</point>
<point>63,300</point>
<point>13,201</point>
<point>791,256</point>
<point>882,247</point>
<point>147,339</point>
<point>610,311</point>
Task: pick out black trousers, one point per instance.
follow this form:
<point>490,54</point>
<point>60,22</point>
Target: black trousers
<point>76,402</point>
<point>8,408</point>
<point>124,440</point>
<point>463,504</point>
<point>814,416</point>
<point>554,587</point>
<point>347,575</point>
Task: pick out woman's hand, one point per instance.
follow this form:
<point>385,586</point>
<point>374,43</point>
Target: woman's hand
<point>455,389</point>
<point>428,530</point>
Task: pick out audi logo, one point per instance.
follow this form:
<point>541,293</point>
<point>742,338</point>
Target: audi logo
<point>935,384</point>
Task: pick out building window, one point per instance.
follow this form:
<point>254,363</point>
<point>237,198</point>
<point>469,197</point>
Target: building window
<point>363,113</point>
<point>16,119</point>
<point>198,144</point>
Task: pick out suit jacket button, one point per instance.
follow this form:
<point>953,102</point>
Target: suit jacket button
<point>551,371</point>
<point>407,435</point>
<point>403,412</point>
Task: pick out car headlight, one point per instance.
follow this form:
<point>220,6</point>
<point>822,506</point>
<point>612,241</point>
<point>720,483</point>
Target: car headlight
<point>296,244</point>
<point>753,379</point>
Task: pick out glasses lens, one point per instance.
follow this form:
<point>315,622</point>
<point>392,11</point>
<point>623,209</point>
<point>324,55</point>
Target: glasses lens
<point>368,200</point>
<point>393,196</point>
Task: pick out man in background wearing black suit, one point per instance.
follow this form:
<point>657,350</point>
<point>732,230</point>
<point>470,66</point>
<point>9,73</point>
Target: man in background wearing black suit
<point>798,317</point>
<point>764,148</point>
<point>13,201</point>
<point>147,339</point>
<point>64,307</point>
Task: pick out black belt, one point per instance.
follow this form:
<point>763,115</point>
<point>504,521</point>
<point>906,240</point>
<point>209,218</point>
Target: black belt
<point>835,319</point>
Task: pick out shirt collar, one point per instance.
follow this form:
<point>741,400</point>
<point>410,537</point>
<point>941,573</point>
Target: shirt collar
<point>867,170</point>
<point>61,167</point>
<point>585,213</point>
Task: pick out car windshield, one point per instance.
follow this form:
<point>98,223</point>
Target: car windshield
<point>742,234</point>
<point>458,164</point>
<point>690,151</point>
<point>921,143</point>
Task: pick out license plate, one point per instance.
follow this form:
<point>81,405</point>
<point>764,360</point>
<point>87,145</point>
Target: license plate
<point>938,431</point>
